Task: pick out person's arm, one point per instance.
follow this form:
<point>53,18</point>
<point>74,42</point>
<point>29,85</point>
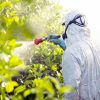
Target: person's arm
<point>57,40</point>
<point>71,74</point>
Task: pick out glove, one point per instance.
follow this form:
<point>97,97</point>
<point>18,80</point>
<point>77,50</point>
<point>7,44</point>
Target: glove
<point>57,40</point>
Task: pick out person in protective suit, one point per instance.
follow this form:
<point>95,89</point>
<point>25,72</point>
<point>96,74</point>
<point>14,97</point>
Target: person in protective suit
<point>81,59</point>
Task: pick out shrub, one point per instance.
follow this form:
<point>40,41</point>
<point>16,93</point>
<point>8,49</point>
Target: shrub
<point>46,60</point>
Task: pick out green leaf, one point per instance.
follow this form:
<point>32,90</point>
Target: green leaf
<point>5,4</point>
<point>29,91</point>
<point>13,44</point>
<point>54,67</point>
<point>14,83</point>
<point>49,87</point>
<point>67,89</point>
<point>14,61</point>
<point>16,19</point>
<point>20,89</point>
<point>6,49</point>
<point>2,63</point>
<point>10,86</point>
<point>13,13</point>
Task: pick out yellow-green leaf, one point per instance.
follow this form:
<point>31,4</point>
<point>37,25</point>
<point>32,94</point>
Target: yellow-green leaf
<point>67,89</point>
<point>20,89</point>
<point>54,67</point>
<point>14,61</point>
<point>29,91</point>
<point>9,87</point>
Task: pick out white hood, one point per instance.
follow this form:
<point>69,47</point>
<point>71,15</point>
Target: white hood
<point>74,32</point>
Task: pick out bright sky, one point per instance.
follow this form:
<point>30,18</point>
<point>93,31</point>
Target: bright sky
<point>91,8</point>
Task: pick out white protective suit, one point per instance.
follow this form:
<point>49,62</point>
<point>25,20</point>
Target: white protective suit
<point>81,63</point>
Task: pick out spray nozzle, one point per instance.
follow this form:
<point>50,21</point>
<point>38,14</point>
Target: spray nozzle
<point>38,40</point>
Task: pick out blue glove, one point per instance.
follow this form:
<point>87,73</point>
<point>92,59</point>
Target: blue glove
<point>56,39</point>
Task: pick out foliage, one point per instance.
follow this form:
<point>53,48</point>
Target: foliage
<point>47,60</point>
<point>47,88</point>
<point>13,24</point>
<point>10,22</point>
<point>42,79</point>
<point>24,19</point>
<point>44,17</point>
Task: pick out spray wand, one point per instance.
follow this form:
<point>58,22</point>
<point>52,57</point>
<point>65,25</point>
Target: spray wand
<point>39,40</point>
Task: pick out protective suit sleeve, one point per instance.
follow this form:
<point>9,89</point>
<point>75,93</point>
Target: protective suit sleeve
<point>59,42</point>
<point>71,74</point>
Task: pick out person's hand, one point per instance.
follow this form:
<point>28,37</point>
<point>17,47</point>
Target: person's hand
<point>57,40</point>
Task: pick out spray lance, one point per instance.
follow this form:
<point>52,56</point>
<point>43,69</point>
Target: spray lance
<point>39,40</point>
<point>56,39</point>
